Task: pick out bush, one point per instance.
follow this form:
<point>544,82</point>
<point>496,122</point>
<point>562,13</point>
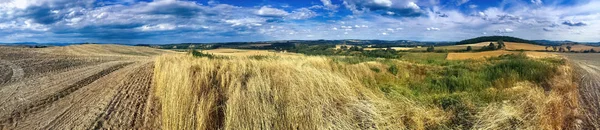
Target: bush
<point>197,53</point>
<point>393,69</point>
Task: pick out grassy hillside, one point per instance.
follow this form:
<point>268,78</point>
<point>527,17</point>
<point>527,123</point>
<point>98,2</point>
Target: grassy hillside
<point>317,92</point>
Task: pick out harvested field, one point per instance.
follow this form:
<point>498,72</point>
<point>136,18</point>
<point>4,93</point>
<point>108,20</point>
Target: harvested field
<point>581,48</point>
<point>524,46</point>
<point>5,73</point>
<point>241,52</point>
<point>589,88</point>
<point>76,87</point>
<point>488,54</point>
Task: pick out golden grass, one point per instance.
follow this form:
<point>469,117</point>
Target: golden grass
<point>292,93</point>
<point>307,92</point>
<point>478,55</point>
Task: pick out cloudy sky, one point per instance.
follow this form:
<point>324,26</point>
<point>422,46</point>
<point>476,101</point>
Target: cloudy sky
<point>176,21</point>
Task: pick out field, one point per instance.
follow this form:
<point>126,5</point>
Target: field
<point>76,87</point>
<point>241,52</point>
<point>589,91</point>
<point>245,92</point>
<point>123,87</point>
<point>490,54</point>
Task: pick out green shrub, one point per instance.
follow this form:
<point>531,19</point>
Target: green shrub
<point>393,69</point>
<point>375,69</point>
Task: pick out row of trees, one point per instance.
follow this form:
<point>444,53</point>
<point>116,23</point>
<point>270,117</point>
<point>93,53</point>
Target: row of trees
<point>568,49</point>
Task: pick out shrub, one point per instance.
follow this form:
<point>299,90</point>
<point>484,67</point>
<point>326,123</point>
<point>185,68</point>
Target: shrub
<point>393,69</point>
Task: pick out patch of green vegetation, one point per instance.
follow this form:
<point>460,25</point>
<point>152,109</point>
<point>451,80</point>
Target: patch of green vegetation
<point>352,59</point>
<point>460,86</point>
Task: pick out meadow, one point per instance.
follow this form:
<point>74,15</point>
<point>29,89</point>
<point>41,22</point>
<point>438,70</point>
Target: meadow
<point>415,91</point>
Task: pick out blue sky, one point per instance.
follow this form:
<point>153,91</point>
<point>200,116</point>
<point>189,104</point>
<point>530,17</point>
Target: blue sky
<point>177,21</point>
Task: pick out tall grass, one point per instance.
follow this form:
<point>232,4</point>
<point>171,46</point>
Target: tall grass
<point>307,92</point>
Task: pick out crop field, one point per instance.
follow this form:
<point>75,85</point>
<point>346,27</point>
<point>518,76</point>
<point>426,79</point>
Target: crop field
<point>123,87</point>
<point>489,54</point>
<point>241,52</point>
<point>76,87</point>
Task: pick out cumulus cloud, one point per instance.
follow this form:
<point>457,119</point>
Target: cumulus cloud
<point>302,13</point>
<point>328,5</point>
<point>506,30</point>
<point>271,12</point>
<point>401,8</point>
<point>574,24</point>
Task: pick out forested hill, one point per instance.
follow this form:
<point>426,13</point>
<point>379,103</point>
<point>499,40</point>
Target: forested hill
<point>494,38</point>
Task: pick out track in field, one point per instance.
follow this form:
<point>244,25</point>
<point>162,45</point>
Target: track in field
<point>51,89</point>
<point>589,88</point>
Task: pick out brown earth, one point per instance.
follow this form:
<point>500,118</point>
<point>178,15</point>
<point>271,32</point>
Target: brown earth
<point>589,88</point>
<point>77,87</point>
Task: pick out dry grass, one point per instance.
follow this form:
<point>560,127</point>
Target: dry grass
<point>317,93</point>
<point>535,108</point>
<point>478,55</point>
<point>292,93</point>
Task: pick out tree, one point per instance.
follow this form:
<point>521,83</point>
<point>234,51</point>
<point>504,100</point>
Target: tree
<point>569,48</point>
<point>492,46</point>
<point>469,48</point>
<point>561,49</point>
<point>430,49</point>
<point>344,47</point>
<point>500,44</point>
<point>554,48</point>
<point>592,50</point>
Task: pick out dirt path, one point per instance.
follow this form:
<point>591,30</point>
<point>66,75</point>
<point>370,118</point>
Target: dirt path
<point>589,88</point>
<point>17,72</point>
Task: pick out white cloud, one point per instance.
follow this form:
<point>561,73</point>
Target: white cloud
<point>246,22</point>
<point>385,3</point>
<point>472,6</point>
<point>329,5</point>
<point>271,12</point>
<point>302,13</point>
<point>460,2</point>
<point>413,5</point>
<point>506,30</point>
<point>159,27</point>
<point>537,2</point>
<point>433,29</point>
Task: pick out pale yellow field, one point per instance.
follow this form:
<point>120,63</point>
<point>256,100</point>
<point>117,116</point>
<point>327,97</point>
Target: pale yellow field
<point>394,48</point>
<point>488,54</point>
<point>240,52</point>
<point>582,47</point>
<point>523,46</point>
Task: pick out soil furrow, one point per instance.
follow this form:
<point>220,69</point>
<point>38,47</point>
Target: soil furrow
<point>37,105</point>
<point>127,107</point>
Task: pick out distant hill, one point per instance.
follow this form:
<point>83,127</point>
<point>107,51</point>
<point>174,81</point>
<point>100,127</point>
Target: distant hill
<point>287,43</point>
<point>494,38</point>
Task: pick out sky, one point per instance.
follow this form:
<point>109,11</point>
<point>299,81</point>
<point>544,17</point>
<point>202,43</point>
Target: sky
<point>201,21</point>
